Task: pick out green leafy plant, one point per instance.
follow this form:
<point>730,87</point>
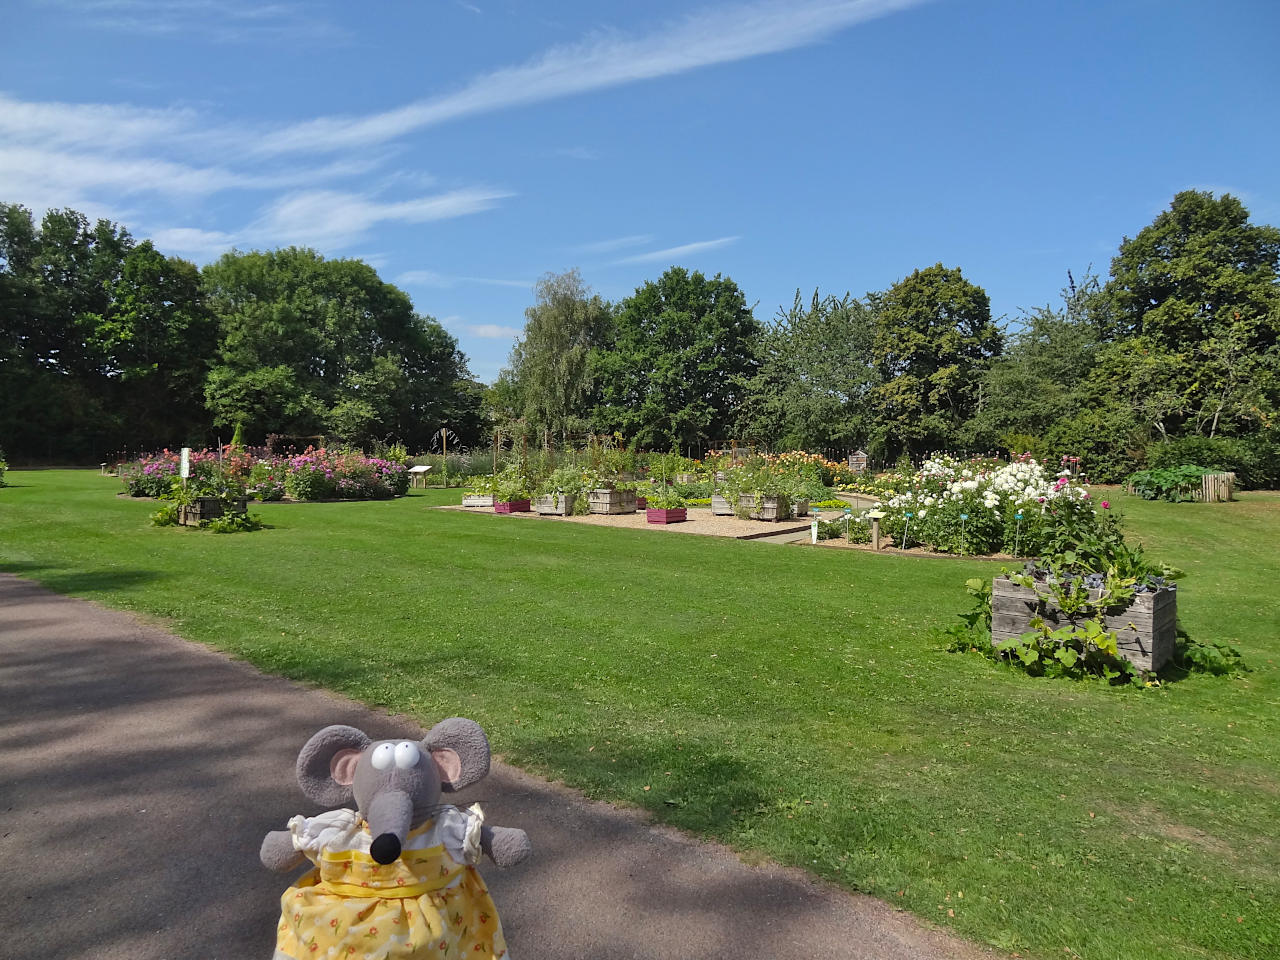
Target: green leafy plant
<point>166,516</point>
<point>1174,484</point>
<point>661,496</point>
<point>233,523</point>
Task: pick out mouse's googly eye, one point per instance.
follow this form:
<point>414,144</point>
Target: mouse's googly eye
<point>384,754</point>
<point>407,755</point>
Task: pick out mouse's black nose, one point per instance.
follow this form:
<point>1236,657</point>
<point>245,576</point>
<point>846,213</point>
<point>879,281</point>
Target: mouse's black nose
<point>385,847</point>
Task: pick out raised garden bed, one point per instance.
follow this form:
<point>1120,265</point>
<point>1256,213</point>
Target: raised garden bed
<point>555,506</point>
<point>207,508</point>
<point>765,508</point>
<point>720,506</point>
<point>511,506</point>
<point>605,500</point>
<point>1146,630</point>
<point>478,500</point>
<point>672,515</point>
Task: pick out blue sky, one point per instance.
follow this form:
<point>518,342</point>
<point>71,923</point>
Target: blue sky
<point>464,147</point>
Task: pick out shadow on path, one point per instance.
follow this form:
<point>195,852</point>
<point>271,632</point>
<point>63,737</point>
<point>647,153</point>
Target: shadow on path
<point>139,773</point>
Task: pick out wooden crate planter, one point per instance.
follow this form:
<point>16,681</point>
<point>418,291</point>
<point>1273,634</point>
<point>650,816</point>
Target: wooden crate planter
<point>207,508</point>
<point>553,505</point>
<point>1146,630</point>
<point>770,508</point>
<point>605,500</point>
<point>642,503</point>
<point>687,478</point>
<point>800,508</point>
<point>511,506</point>
<point>478,500</point>
<point>720,506</point>
<point>660,515</point>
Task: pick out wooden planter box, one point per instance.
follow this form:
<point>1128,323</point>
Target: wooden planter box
<point>1146,630</point>
<point>660,515</point>
<point>720,506</point>
<point>206,508</point>
<point>511,506</point>
<point>478,500</point>
<point>642,503</point>
<point>555,506</point>
<point>605,500</point>
<point>800,508</point>
<point>686,478</point>
<point>771,508</point>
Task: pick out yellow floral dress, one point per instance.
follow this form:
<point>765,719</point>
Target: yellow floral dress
<point>430,902</point>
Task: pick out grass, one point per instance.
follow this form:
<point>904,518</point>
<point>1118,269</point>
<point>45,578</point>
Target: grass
<point>790,702</point>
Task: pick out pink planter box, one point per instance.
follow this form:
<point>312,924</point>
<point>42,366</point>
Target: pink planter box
<point>511,506</point>
<point>675,515</point>
<point>641,502</point>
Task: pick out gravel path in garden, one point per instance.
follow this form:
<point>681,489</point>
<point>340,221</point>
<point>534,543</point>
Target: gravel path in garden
<point>701,521</point>
<point>139,773</point>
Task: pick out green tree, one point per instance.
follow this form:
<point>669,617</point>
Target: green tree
<point>1199,286</point>
<point>1044,374</point>
<point>55,285</point>
<point>550,362</point>
<point>677,361</point>
<point>934,339</point>
<point>309,346</point>
<point>815,376</point>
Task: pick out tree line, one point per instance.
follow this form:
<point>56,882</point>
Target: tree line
<point>109,346</point>
<point>1178,348</point>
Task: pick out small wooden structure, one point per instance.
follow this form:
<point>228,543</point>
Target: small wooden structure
<point>478,500</point>
<point>606,500</point>
<point>418,476</point>
<point>1217,487</point>
<point>555,505</point>
<point>207,508</point>
<point>767,508</point>
<point>858,461</point>
<point>1146,630</point>
<point>720,506</point>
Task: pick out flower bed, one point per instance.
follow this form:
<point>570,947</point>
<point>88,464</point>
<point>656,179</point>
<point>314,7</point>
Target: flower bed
<point>315,474</point>
<point>983,507</point>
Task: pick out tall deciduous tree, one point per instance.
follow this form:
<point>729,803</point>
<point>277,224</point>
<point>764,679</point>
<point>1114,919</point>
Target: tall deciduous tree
<point>311,346</point>
<point>550,362</point>
<point>933,342</point>
<point>1199,286</point>
<point>678,360</point>
<point>815,376</point>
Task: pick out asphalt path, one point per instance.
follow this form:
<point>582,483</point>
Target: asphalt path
<point>139,773</point>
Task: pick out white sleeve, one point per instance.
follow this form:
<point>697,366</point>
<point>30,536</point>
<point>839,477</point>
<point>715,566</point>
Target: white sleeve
<point>326,831</point>
<point>459,831</point>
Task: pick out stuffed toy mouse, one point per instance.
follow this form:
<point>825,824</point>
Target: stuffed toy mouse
<point>395,877</point>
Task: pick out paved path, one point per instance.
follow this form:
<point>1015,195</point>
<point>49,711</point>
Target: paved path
<point>139,772</point>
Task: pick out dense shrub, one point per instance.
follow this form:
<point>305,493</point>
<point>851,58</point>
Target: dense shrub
<point>1255,460</point>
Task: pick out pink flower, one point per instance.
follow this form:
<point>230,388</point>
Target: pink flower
<point>1106,505</point>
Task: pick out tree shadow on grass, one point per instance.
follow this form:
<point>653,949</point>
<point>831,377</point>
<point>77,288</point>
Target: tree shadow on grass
<point>80,582</point>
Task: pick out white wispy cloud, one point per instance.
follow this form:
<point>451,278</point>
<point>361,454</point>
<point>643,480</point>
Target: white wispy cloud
<point>491,331</point>
<point>607,59</point>
<point>328,219</point>
<point>219,20</point>
<point>430,278</point>
<point>617,243</point>
<point>674,253</point>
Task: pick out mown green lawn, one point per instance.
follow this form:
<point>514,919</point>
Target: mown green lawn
<point>789,701</point>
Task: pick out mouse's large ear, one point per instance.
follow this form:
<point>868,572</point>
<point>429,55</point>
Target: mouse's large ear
<point>460,751</point>
<point>327,764</point>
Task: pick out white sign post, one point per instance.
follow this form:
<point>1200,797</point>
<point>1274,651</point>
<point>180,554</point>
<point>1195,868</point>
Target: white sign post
<point>184,466</point>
